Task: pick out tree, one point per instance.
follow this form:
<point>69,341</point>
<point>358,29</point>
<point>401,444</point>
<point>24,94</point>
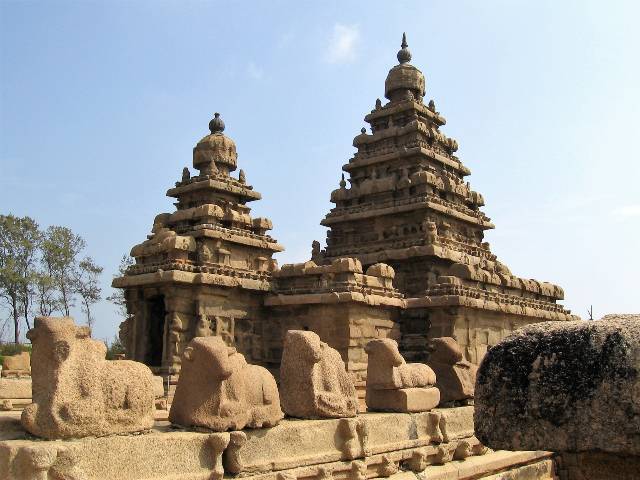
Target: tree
<point>87,286</point>
<point>60,249</point>
<point>117,297</point>
<point>19,242</point>
<point>46,294</point>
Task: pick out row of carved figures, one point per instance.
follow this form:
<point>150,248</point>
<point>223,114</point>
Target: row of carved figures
<point>77,393</point>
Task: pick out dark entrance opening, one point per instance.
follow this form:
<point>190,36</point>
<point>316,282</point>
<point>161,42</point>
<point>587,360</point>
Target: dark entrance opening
<point>155,330</point>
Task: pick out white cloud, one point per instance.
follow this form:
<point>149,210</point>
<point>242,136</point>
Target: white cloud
<point>343,43</point>
<point>254,71</point>
<point>627,211</point>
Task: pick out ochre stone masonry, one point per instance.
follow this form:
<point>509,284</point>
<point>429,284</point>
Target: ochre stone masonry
<point>405,257</point>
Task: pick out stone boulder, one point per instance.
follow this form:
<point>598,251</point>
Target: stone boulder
<point>76,392</point>
<point>563,386</point>
<point>219,390</point>
<point>394,385</point>
<point>455,377</point>
<point>313,379</point>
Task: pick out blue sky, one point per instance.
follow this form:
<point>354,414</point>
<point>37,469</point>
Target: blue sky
<point>102,102</point>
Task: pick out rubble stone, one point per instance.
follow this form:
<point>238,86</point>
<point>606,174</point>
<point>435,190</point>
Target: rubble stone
<point>76,392</point>
<point>313,379</point>
<point>564,387</point>
<point>218,390</point>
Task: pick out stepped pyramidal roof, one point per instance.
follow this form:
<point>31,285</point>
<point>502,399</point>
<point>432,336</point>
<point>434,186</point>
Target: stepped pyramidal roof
<point>409,205</point>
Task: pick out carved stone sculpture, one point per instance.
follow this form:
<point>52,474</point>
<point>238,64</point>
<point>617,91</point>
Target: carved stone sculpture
<point>396,386</point>
<point>76,392</point>
<point>455,376</point>
<point>314,381</point>
<point>218,390</point>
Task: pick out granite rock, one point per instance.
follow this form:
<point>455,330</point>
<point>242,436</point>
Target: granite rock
<point>220,391</point>
<point>563,386</point>
<point>314,382</point>
<point>76,392</point>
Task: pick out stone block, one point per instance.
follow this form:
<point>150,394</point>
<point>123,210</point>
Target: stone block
<point>404,400</point>
<point>17,365</point>
<point>11,388</point>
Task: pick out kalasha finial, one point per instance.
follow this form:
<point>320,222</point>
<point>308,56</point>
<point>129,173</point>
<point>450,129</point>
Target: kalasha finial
<point>343,184</point>
<point>216,125</point>
<point>404,55</point>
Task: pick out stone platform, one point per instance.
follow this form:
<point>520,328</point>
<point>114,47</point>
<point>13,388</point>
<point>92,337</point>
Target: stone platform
<point>433,445</point>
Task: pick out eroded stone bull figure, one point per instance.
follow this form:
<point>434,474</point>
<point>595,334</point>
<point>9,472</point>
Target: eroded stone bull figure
<point>220,391</point>
<point>76,392</point>
<point>313,379</point>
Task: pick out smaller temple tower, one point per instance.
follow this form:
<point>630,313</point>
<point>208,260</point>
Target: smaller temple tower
<point>204,268</point>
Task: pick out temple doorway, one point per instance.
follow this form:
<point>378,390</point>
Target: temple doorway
<point>156,314</point>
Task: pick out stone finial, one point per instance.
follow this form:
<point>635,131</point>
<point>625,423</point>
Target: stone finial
<point>394,385</point>
<point>404,55</point>
<point>343,183</point>
<point>242,178</point>
<point>216,125</point>
<point>219,390</point>
<point>314,382</point>
<point>76,392</point>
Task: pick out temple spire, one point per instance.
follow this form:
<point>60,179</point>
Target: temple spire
<point>404,55</point>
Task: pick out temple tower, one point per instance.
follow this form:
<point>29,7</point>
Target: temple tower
<point>205,267</point>
<point>408,205</point>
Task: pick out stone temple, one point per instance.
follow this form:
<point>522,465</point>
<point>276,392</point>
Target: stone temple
<point>405,254</point>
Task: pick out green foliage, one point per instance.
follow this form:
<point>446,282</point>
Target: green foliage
<point>114,348</point>
<point>87,286</point>
<point>117,297</point>
<point>60,250</point>
<point>41,271</point>
<point>20,240</point>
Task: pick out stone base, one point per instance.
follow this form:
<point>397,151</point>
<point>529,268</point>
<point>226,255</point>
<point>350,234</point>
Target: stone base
<point>439,443</point>
<point>15,393</point>
<point>406,400</point>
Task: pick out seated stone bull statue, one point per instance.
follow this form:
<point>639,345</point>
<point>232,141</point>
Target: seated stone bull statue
<point>76,392</point>
<point>313,379</point>
<point>394,385</point>
<point>456,376</point>
<point>218,390</point>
